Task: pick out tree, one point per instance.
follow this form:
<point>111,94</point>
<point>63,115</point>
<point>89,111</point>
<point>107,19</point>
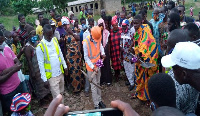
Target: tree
<point>4,4</point>
<point>46,4</point>
<point>60,5</point>
<point>24,6</point>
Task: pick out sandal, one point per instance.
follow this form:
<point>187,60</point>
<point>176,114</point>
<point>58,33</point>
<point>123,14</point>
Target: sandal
<point>133,95</point>
<point>147,103</point>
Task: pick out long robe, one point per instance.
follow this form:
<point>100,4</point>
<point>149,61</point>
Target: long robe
<point>145,45</point>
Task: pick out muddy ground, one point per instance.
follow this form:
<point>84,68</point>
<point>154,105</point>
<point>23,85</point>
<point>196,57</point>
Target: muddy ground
<point>117,90</point>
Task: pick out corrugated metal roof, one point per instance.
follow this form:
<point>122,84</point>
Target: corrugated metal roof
<point>79,2</point>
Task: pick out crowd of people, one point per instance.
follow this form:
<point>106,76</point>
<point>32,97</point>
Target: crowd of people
<point>160,58</point>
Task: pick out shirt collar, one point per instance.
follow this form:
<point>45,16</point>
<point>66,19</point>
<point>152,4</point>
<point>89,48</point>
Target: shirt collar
<point>47,42</point>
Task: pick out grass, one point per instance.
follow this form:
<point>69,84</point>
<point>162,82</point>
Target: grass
<point>10,21</point>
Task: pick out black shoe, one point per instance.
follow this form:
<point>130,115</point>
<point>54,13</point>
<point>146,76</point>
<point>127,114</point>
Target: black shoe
<point>102,105</point>
<point>131,87</point>
<point>127,83</point>
<point>86,94</point>
<point>97,107</point>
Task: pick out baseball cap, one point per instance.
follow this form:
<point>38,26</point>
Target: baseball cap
<point>185,54</point>
<point>65,21</point>
<point>20,101</point>
<point>52,22</point>
<point>125,22</point>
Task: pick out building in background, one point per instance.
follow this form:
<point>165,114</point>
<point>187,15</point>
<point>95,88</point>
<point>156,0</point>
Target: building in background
<point>96,5</point>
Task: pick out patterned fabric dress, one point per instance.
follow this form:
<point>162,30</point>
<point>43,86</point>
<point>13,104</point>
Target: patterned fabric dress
<point>74,63</point>
<point>186,96</point>
<point>16,50</point>
<point>115,49</point>
<point>145,45</point>
<point>163,36</point>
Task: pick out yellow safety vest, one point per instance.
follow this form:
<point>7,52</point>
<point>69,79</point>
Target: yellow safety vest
<point>47,65</point>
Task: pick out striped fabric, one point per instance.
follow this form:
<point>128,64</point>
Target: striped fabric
<point>20,101</point>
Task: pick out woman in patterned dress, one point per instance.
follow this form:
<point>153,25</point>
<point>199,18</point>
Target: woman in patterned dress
<point>73,58</point>
<point>145,48</point>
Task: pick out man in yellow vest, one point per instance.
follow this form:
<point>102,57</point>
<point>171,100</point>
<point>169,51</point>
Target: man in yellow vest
<point>51,62</point>
<point>92,50</point>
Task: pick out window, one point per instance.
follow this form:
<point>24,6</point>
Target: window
<point>91,6</point>
<point>72,9</point>
<point>96,5</point>
<point>80,8</point>
<point>76,9</point>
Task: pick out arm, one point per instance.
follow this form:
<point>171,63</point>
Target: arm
<point>40,58</point>
<point>5,76</point>
<point>87,60</point>
<point>62,58</point>
<point>102,50</point>
<point>70,32</point>
<point>20,53</point>
<point>7,70</point>
<point>28,53</point>
<point>76,37</point>
<point>16,60</point>
<point>121,45</point>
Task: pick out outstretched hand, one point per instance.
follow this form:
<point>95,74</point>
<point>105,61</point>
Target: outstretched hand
<point>124,107</point>
<point>56,108</point>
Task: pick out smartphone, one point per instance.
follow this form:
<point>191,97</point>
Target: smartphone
<point>98,112</point>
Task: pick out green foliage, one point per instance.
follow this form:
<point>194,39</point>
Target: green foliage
<point>23,6</point>
<point>60,5</point>
<point>31,19</point>
<point>46,4</point>
<point>4,4</point>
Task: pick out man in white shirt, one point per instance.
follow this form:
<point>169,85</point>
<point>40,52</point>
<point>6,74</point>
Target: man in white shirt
<point>85,34</point>
<point>92,48</point>
<point>51,62</point>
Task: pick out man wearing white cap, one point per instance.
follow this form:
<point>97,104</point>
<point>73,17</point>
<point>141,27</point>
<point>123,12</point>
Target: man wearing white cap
<point>185,61</point>
<point>186,96</point>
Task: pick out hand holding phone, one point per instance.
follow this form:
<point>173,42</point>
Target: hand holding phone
<point>124,107</point>
<point>119,109</point>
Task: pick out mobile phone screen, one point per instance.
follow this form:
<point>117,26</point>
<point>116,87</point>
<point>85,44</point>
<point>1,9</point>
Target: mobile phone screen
<point>98,112</point>
<point>87,114</point>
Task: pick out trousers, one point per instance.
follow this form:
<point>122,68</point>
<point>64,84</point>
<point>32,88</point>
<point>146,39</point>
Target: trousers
<point>96,92</point>
<point>57,86</point>
<point>129,70</point>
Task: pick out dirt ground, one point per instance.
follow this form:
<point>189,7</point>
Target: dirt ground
<point>117,90</point>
